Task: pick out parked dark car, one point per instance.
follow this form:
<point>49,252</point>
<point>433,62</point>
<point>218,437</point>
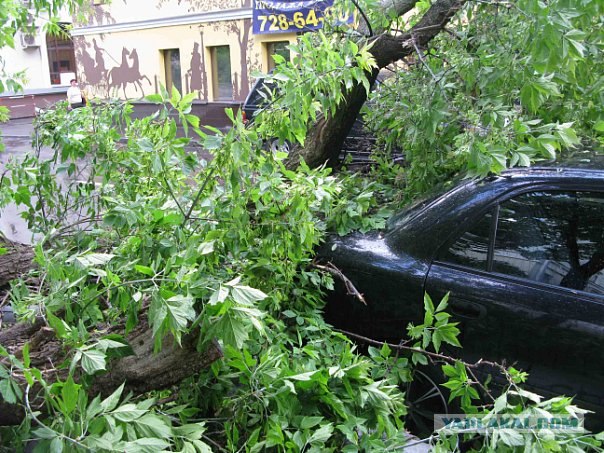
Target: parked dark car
<point>522,255</point>
<point>259,96</point>
<point>358,143</point>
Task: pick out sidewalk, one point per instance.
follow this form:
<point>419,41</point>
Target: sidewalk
<point>18,128</point>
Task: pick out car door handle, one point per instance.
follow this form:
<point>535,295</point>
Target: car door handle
<point>467,310</point>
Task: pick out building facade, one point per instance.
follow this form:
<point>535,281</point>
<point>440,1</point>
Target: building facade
<point>47,61</point>
<point>129,49</point>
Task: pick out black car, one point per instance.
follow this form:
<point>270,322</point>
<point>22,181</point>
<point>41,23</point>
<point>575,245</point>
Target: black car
<point>259,96</point>
<point>522,255</point>
<point>358,143</point>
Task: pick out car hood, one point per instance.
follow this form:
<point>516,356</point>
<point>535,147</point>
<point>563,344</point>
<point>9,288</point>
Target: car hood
<point>356,248</point>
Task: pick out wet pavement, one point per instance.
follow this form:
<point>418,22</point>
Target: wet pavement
<point>17,138</point>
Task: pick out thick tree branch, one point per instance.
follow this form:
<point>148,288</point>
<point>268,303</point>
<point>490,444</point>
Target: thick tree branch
<point>143,371</point>
<point>15,261</point>
<point>324,141</point>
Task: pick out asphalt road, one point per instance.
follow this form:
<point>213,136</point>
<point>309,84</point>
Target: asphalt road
<point>17,139</point>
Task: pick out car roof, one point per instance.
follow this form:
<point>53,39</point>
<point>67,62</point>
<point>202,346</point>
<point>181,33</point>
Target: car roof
<point>579,159</point>
<point>435,214</point>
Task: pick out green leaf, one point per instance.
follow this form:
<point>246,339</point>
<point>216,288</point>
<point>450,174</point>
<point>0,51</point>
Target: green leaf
<point>25,352</point>
<point>219,295</point>
<point>511,437</point>
<point>59,326</point>
<point>127,413</point>
<point>246,295</point>
<point>94,259</point>
<point>93,360</point>
<point>146,270</point>
<point>232,330</point>
<point>56,445</point>
<point>193,120</point>
<point>303,376</point>
<point>180,310</point>
<point>526,394</point>
<point>212,142</point>
<point>531,97</point>
<point>309,422</point>
<point>568,136</point>
<point>10,391</point>
<point>322,434</point>
<point>111,402</point>
<point>191,431</point>
<point>146,445</point>
<point>205,248</point>
<point>70,394</point>
<point>428,305</point>
<point>155,98</point>
<point>443,303</point>
<point>151,425</point>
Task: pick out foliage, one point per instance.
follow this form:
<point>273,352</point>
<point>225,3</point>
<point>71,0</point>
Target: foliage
<point>509,84</point>
<point>17,15</point>
<point>311,85</point>
<point>221,249</point>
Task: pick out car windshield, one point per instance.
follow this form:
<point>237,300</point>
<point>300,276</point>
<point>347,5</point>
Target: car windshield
<point>418,205</point>
<point>259,94</point>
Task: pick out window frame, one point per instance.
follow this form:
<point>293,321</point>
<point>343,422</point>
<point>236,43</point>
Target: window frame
<point>54,46</point>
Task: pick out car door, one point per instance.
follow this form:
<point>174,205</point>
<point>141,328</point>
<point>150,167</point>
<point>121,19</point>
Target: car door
<point>526,283</point>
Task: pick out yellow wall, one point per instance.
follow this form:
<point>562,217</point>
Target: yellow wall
<point>105,58</point>
<point>119,11</point>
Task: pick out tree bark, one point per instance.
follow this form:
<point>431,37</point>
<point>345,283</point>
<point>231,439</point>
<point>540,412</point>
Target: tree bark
<point>141,372</point>
<point>325,139</point>
<point>17,259</point>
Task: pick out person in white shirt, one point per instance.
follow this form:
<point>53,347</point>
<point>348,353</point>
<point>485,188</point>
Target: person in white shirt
<point>74,95</point>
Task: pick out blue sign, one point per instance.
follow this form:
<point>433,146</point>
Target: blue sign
<point>287,16</point>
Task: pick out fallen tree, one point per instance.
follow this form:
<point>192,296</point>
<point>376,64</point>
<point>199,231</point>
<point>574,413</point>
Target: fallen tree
<point>145,371</point>
<point>326,137</point>
<point>142,370</point>
<point>172,253</point>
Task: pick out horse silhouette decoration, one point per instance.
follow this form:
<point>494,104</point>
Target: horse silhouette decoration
<point>124,74</point>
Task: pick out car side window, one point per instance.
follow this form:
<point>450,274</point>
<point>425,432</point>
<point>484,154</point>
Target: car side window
<point>471,249</point>
<point>552,237</point>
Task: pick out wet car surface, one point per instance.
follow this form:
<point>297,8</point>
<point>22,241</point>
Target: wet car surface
<point>522,255</point>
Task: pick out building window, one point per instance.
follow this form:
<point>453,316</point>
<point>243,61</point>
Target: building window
<point>61,57</point>
<point>277,48</point>
<point>172,69</point>
<point>221,73</point>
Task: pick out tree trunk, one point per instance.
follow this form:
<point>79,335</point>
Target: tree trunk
<point>325,139</point>
<point>141,372</point>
